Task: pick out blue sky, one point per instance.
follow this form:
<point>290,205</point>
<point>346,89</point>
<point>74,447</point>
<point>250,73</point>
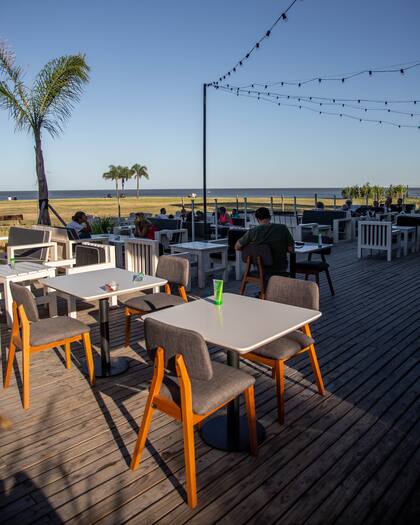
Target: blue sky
<point>150,59</point>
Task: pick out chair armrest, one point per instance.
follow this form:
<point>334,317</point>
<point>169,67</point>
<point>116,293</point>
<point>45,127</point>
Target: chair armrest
<point>11,249</point>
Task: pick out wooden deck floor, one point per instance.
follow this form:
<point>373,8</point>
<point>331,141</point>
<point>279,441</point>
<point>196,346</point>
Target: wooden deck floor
<point>350,457</point>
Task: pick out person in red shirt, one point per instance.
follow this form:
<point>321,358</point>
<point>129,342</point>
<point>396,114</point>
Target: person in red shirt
<point>144,228</point>
<point>224,217</point>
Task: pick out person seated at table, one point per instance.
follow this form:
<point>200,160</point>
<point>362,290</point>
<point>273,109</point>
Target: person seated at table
<point>224,217</point>
<point>277,236</point>
<point>235,214</point>
<point>144,229</point>
<point>319,205</point>
<point>162,214</point>
<point>199,216</point>
<point>388,203</point>
<point>80,224</point>
<point>183,213</point>
<point>399,207</point>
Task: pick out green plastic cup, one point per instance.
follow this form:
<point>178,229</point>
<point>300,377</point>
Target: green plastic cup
<point>218,291</point>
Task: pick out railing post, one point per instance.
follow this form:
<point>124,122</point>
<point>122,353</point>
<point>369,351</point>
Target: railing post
<point>216,218</point>
<point>295,204</point>
<point>272,207</point>
<point>237,202</point>
<point>316,199</point>
<point>282,202</point>
<point>245,209</point>
<point>192,220</point>
<point>335,202</point>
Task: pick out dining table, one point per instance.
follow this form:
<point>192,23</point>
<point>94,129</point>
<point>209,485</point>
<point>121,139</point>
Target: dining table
<point>239,325</point>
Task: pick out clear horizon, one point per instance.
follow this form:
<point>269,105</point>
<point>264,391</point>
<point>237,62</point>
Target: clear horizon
<point>143,103</point>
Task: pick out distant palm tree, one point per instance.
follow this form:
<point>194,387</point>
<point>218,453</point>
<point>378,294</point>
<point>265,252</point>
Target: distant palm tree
<point>46,105</point>
<point>139,171</point>
<point>114,174</point>
<point>125,175</point>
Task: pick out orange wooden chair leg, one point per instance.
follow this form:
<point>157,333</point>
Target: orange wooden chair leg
<point>25,367</point>
<point>144,430</point>
<point>252,420</point>
<point>280,389</point>
<point>183,293</point>
<point>10,360</point>
<point>273,373</point>
<point>127,328</point>
<point>189,451</point>
<point>68,355</point>
<point>316,370</point>
<point>89,357</point>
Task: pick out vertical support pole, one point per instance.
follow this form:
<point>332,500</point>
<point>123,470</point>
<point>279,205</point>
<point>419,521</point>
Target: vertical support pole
<point>316,199</point>
<point>192,220</point>
<point>335,202</point>
<point>216,219</point>
<point>205,158</point>
<point>282,202</point>
<point>295,204</point>
<point>272,207</point>
<point>237,202</point>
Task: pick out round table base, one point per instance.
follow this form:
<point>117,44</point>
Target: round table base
<point>215,434</point>
<point>118,365</point>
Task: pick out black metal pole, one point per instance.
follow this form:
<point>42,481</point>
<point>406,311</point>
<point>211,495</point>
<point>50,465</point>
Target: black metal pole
<point>204,159</point>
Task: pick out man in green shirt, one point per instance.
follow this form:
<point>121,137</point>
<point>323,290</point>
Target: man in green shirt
<point>277,236</point>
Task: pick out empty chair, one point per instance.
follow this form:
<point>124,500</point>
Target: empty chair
<point>31,334</point>
<point>311,267</point>
<point>379,236</point>
<point>188,386</point>
<point>256,258</point>
<point>296,293</point>
<point>176,271</point>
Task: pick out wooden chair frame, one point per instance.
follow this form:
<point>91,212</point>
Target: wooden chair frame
<point>129,312</point>
<point>184,414</point>
<point>259,280</point>
<point>277,366</point>
<point>20,338</point>
<point>317,273</point>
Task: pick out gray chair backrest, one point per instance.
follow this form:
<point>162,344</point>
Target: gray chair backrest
<point>176,341</point>
<point>23,297</point>
<point>21,236</point>
<point>325,217</point>
<point>293,291</point>
<point>258,250</point>
<point>165,224</point>
<point>174,269</point>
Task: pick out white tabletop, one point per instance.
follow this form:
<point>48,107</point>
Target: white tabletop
<point>310,247</point>
<point>242,323</point>
<point>199,246</point>
<point>91,285</point>
<point>22,268</point>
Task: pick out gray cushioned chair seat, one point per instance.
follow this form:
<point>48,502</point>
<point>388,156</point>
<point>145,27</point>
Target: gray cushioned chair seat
<point>286,346</point>
<point>227,383</point>
<point>47,331</point>
<point>153,302</point>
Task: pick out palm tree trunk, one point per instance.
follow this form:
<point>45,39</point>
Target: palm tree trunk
<point>44,215</point>
<point>138,186</point>
<point>118,200</point>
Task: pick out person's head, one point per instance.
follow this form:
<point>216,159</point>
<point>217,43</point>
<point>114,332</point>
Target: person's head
<point>183,210</point>
<point>319,205</point>
<point>400,202</point>
<point>263,215</point>
<point>140,217</point>
<point>79,217</point>
<point>163,211</point>
<point>376,204</point>
<point>349,203</point>
<point>170,216</point>
<point>222,210</point>
<point>199,213</point>
<point>388,201</point>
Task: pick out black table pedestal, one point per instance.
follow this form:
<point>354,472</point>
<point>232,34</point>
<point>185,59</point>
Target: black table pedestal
<point>230,432</point>
<point>105,366</point>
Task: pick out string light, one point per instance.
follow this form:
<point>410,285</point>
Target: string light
<point>321,112</point>
<point>400,69</point>
<point>257,45</point>
<point>327,101</point>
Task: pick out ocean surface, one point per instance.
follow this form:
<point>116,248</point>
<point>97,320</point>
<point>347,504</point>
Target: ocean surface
<point>184,192</point>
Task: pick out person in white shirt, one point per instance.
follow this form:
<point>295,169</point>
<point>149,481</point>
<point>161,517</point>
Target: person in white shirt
<point>80,225</point>
<point>162,214</point>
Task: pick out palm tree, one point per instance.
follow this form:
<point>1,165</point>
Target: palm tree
<point>125,175</point>
<point>46,105</point>
<point>114,174</point>
<point>139,171</point>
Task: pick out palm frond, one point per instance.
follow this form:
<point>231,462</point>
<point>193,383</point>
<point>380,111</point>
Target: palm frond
<point>57,87</point>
